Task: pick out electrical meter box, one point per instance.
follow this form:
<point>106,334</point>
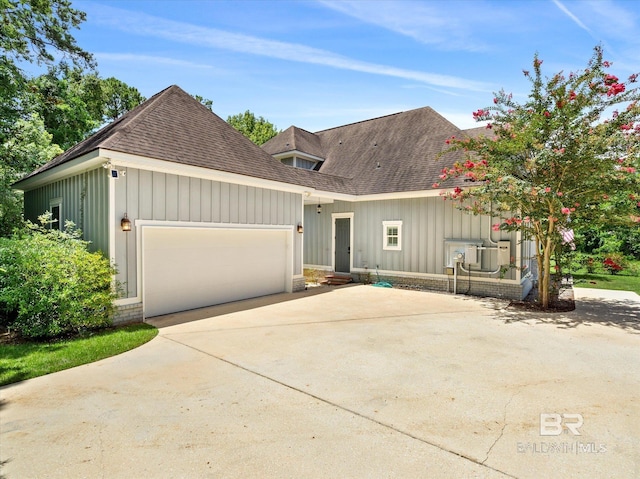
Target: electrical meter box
<point>504,252</point>
<point>462,252</point>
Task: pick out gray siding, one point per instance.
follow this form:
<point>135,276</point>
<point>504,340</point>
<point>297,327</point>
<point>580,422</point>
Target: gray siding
<point>84,201</point>
<point>426,224</point>
<point>149,195</point>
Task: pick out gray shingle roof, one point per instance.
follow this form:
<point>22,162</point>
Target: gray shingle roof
<point>294,138</point>
<point>394,153</point>
<point>390,154</point>
<point>173,126</point>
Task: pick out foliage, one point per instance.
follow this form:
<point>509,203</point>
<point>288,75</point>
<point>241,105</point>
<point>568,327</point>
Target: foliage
<point>29,147</point>
<point>258,130</point>
<point>614,263</point>
<point>73,103</point>
<point>554,161</point>
<point>118,98</point>
<point>205,101</point>
<point>51,285</point>
<point>626,280</point>
<point>22,361</point>
<point>31,31</point>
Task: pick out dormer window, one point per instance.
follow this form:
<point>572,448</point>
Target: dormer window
<point>300,161</point>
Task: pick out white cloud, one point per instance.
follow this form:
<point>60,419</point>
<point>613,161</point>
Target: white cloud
<point>149,59</point>
<point>447,25</point>
<point>148,25</point>
<point>568,13</point>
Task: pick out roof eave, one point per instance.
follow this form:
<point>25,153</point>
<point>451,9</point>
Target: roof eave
<point>80,164</point>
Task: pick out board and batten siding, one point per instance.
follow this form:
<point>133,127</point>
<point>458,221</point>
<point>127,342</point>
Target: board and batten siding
<point>148,195</point>
<point>426,224</point>
<point>84,200</point>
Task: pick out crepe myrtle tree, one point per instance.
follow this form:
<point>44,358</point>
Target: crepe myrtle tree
<point>568,155</point>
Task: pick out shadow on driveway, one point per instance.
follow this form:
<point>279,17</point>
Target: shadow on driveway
<point>591,308</point>
<point>236,306</point>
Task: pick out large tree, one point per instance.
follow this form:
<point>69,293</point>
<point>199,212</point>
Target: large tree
<point>568,155</point>
<point>73,103</point>
<point>258,130</point>
<point>31,31</point>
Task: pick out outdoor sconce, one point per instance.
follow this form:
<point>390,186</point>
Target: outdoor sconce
<point>319,209</point>
<point>125,223</point>
<point>300,228</point>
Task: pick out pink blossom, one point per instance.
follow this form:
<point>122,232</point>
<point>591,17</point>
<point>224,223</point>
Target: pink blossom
<point>566,211</point>
<point>495,100</point>
<point>559,193</point>
<point>572,95</point>
<point>480,114</point>
<point>435,185</point>
<point>495,227</point>
<point>633,77</point>
<point>606,64</point>
<point>615,89</point>
<point>610,79</point>
<point>547,190</point>
<point>627,126</point>
<point>547,114</point>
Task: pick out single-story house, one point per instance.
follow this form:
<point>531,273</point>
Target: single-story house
<point>193,214</point>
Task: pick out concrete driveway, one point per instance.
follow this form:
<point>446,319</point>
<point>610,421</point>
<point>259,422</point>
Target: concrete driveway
<point>356,382</point>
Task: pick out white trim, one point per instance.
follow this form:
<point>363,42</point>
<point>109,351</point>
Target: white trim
<point>335,216</point>
<point>111,220</point>
<point>406,274</point>
<point>163,166</point>
<point>323,267</point>
<point>140,226</point>
<point>78,165</point>
<point>385,235</point>
<point>53,202</point>
<point>296,153</point>
<point>127,301</point>
<point>204,224</point>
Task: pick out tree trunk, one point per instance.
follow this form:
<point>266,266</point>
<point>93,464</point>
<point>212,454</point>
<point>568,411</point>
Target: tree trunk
<point>544,288</point>
<point>539,256</point>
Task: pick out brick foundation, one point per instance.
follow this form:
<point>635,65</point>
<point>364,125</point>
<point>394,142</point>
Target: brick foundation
<point>127,314</point>
<point>298,284</point>
<point>477,287</point>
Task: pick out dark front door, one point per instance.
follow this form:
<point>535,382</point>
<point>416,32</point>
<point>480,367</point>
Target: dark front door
<point>343,245</point>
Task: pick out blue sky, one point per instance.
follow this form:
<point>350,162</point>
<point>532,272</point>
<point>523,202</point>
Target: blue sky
<point>325,63</point>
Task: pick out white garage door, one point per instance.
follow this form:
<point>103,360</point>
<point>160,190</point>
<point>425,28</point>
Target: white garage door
<point>187,268</point>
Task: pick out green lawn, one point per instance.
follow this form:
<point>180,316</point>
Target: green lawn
<point>607,281</point>
<point>627,280</point>
<point>28,360</point>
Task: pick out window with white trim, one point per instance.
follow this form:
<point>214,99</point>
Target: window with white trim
<point>55,207</point>
<point>392,235</point>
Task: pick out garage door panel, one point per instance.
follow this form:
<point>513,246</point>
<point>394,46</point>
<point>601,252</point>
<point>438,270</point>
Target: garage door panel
<point>186,268</point>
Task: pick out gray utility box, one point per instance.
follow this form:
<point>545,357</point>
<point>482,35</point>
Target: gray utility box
<point>504,252</point>
<point>462,251</point>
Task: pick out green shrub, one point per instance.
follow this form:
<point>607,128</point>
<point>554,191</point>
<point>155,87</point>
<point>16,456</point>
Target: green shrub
<point>51,285</point>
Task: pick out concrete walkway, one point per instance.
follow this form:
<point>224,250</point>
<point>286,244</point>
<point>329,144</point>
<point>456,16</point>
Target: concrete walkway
<point>358,382</point>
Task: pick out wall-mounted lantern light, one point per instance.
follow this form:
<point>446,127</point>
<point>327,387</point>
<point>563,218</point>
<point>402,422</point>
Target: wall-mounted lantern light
<point>125,223</point>
<point>319,209</point>
<point>300,228</point>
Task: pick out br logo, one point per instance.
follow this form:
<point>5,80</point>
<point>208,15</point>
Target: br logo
<point>552,424</point>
